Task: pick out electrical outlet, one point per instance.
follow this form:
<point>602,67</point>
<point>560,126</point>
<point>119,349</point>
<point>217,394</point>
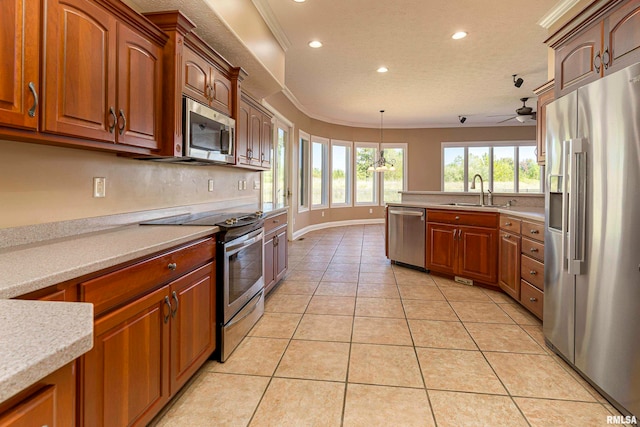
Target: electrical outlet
<point>323,213</point>
<point>210,185</point>
<point>370,211</point>
<point>244,184</point>
<point>99,187</point>
<point>240,185</point>
<point>256,185</point>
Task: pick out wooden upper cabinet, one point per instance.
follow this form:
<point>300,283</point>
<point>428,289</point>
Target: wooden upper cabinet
<point>255,136</point>
<point>196,76</point>
<point>545,95</point>
<point>579,61</point>
<point>19,63</point>
<point>80,70</point>
<point>139,90</point>
<point>222,91</point>
<point>622,37</point>
<point>266,146</point>
<point>242,133</point>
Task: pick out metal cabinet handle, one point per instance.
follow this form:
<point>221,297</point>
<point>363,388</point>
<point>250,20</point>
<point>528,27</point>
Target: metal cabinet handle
<point>32,110</point>
<point>597,64</point>
<point>168,304</point>
<point>250,153</point>
<point>605,62</point>
<point>534,249</point>
<point>457,217</point>
<point>533,299</point>
<point>534,231</point>
<point>533,272</point>
<point>276,221</point>
<point>507,224</point>
<point>124,122</point>
<point>172,266</point>
<point>175,298</point>
<point>262,157</point>
<point>112,113</point>
<point>507,236</point>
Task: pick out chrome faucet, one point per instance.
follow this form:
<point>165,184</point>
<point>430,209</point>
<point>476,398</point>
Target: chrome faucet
<point>473,187</point>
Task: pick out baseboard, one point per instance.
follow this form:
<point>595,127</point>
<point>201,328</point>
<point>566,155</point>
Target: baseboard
<point>331,224</point>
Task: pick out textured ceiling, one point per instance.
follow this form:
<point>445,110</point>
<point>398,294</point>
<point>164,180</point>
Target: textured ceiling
<point>432,79</point>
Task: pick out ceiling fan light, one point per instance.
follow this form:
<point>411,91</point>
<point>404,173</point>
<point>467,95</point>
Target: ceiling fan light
<point>459,35</point>
<point>524,119</point>
<point>382,69</point>
<point>315,44</point>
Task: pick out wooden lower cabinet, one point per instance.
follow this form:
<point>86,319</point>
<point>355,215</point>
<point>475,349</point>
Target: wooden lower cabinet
<point>468,251</point>
<point>275,250</point>
<point>509,263</point>
<point>49,402</point>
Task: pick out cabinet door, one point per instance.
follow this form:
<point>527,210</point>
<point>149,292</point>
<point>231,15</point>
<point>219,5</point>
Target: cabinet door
<point>19,63</point>
<point>255,136</point>
<point>126,373</point>
<point>269,263</point>
<point>193,332</point>
<point>579,61</point>
<point>545,97</point>
<point>196,72</point>
<point>441,248</point>
<point>80,70</point>
<point>509,264</point>
<point>266,144</point>
<point>478,253</point>
<point>221,99</point>
<point>242,133</point>
<point>139,90</point>
<point>281,254</point>
<point>622,37</point>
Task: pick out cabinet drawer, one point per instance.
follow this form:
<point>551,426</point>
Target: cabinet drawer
<point>480,219</point>
<point>533,230</point>
<point>510,224</point>
<point>532,271</point>
<point>113,289</point>
<point>274,222</point>
<point>533,249</point>
<point>532,298</point>
<point>37,410</point>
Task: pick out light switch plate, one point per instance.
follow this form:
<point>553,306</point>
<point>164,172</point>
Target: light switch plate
<point>210,185</point>
<point>99,187</point>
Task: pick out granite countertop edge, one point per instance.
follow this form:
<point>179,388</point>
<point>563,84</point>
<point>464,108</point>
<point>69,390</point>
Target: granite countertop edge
<point>533,213</point>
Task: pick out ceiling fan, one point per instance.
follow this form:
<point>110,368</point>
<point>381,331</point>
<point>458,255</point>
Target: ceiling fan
<point>524,114</point>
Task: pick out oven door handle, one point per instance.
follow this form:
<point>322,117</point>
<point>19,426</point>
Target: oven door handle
<point>248,242</point>
<point>248,312</point>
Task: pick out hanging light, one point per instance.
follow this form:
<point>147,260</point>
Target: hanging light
<point>382,164</point>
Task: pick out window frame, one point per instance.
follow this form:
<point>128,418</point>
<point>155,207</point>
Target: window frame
<point>376,185</point>
<point>405,173</point>
<point>324,193</point>
<point>348,173</point>
<point>488,182</point>
<point>303,187</point>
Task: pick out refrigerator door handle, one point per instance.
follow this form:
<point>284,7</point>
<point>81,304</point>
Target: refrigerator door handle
<point>577,207</point>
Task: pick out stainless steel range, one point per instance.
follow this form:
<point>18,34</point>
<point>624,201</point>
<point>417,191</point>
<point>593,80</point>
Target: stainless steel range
<point>240,271</point>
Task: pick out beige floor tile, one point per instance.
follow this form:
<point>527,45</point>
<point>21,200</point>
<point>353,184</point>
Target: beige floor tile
<point>375,330</point>
<point>321,304</point>
<point>379,307</point>
<point>295,403</point>
<point>439,334</point>
<point>499,337</point>
<point>316,257</point>
<point>421,292</point>
<point>458,370</point>
<point>378,291</point>
<point>454,409</point>
<point>369,405</point>
<point>307,266</point>
<point>543,413</point>
<point>295,287</point>
<point>469,293</point>
<point>337,289</point>
<point>305,276</point>
<point>444,281</point>
<point>374,268</point>
<point>384,365</point>
<point>209,400</point>
<point>254,356</point>
<point>535,375</point>
<point>520,315</point>
<point>428,310</point>
<point>322,327</point>
<point>374,259</point>
<point>340,276</point>
<point>285,303</point>
<point>315,360</point>
<point>368,277</point>
<point>535,332</point>
<point>575,375</point>
<point>499,297</point>
<point>276,325</point>
<point>416,281</point>
<point>484,312</point>
<point>350,259</point>
<point>344,267</point>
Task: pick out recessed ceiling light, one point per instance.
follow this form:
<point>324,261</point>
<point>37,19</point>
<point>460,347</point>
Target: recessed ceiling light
<point>299,1</point>
<point>459,35</point>
<point>382,69</point>
<point>315,44</point>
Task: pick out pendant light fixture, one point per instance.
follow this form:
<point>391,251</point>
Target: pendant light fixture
<point>382,164</point>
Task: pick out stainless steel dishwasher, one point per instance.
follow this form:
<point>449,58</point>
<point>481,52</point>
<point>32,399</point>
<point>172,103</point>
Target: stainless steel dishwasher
<point>407,233</point>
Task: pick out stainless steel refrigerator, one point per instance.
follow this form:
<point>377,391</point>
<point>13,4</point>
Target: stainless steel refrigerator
<point>592,234</point>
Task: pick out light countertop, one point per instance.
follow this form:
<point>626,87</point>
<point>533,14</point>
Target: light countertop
<point>532,213</point>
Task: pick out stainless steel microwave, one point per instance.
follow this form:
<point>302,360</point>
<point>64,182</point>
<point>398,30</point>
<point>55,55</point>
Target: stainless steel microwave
<point>208,134</point>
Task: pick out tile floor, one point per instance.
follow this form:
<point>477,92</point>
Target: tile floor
<point>347,339</point>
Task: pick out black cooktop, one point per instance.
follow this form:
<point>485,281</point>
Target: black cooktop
<point>224,220</point>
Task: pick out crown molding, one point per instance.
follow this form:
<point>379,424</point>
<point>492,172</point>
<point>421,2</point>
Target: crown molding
<point>272,22</point>
<point>556,13</point>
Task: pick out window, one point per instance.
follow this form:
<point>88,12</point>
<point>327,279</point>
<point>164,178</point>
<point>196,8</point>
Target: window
<point>365,181</point>
<point>274,180</point>
<point>340,173</point>
<point>506,167</point>
<point>319,172</point>
<point>303,169</point>
<point>393,181</point>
